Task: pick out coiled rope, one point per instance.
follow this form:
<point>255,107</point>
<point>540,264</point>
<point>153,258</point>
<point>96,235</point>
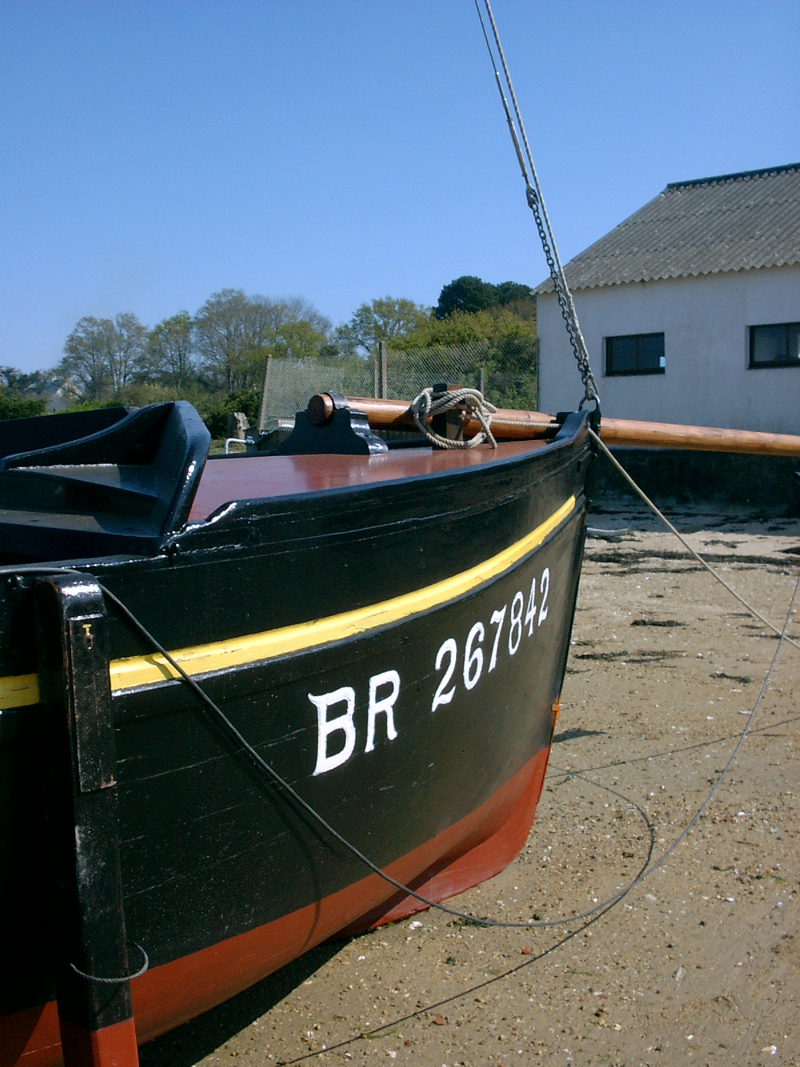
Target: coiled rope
<point>116,981</point>
<point>471,404</point>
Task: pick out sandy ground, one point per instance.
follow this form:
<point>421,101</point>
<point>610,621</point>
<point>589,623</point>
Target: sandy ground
<point>699,962</point>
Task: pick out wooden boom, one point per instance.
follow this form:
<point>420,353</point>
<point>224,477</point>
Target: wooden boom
<point>523,425</point>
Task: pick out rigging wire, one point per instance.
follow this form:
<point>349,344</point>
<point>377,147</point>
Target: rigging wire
<point>537,205</point>
<point>261,764</point>
<point>645,871</point>
<point>533,193</point>
<point>607,452</point>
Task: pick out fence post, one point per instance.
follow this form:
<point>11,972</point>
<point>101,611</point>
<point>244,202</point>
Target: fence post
<point>262,412</point>
<point>482,380</point>
<point>383,357</point>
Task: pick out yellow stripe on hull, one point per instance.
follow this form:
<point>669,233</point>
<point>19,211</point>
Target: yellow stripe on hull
<point>136,671</point>
<point>18,691</point>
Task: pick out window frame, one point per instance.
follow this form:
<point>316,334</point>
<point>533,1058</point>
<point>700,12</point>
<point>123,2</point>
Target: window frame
<point>763,364</point>
<point>608,345</point>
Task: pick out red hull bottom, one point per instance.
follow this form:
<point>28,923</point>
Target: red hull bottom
<point>476,848</point>
<point>113,1046</point>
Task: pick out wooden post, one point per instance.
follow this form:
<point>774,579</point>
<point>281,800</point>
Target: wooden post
<point>449,424</point>
<point>384,365</point>
<point>262,411</point>
<point>95,1016</point>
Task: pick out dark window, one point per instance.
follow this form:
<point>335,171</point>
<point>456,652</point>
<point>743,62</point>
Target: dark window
<point>637,353</point>
<point>775,346</point>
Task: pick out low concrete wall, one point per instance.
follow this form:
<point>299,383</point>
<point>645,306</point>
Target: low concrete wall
<point>694,477</point>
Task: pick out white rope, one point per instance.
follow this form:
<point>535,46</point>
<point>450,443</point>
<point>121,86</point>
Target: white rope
<point>471,404</point>
<point>775,629</point>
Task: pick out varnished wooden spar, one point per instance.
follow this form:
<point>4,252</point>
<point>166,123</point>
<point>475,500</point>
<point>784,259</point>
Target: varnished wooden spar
<point>697,438</point>
<point>396,415</point>
<point>516,425</point>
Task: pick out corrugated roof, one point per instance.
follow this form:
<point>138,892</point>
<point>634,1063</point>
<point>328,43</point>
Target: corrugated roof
<point>730,222</point>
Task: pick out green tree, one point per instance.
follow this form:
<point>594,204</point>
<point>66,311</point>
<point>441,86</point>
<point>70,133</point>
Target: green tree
<point>299,340</point>
<point>103,355</point>
<point>515,294</point>
<point>128,346</point>
<point>498,340</point>
<point>466,294</point>
<point>16,407</point>
<point>386,319</point>
<point>170,351</point>
<point>296,309</point>
<point>222,336</point>
<point>86,357</point>
<point>234,333</point>
<point>469,294</point>
<point>22,384</point>
<point>461,328</point>
<point>215,411</point>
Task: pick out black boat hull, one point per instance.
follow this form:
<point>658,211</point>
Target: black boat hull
<point>394,651</point>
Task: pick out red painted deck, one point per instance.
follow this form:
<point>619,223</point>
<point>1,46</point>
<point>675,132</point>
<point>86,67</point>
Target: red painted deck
<point>254,477</point>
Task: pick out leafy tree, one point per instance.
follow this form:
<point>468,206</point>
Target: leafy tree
<point>170,351</point>
<point>465,294</point>
<point>222,332</point>
<point>234,333</point>
<point>386,319</point>
<point>20,384</point>
<point>299,340</point>
<point>296,309</point>
<point>16,407</point>
<point>215,412</point>
<point>86,356</point>
<point>497,339</point>
<point>461,328</point>
<point>103,355</point>
<point>470,294</point>
<point>515,294</point>
<point>127,349</point>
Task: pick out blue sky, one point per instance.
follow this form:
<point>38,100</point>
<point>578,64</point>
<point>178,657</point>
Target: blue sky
<point>342,150</point>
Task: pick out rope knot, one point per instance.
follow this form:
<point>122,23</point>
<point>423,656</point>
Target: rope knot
<point>469,402</point>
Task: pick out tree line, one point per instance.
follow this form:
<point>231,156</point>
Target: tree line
<point>216,357</point>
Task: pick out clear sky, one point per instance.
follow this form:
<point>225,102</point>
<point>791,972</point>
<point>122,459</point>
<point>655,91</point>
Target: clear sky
<point>155,152</point>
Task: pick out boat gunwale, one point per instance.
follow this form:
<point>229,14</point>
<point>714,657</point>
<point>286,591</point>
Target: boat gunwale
<point>531,450</point>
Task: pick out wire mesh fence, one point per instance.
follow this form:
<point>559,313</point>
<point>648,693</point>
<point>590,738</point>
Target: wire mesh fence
<point>505,371</point>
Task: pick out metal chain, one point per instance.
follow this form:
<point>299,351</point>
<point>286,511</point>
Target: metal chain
<point>565,302</point>
<point>533,194</point>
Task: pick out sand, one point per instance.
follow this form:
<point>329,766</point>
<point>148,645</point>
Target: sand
<point>697,963</point>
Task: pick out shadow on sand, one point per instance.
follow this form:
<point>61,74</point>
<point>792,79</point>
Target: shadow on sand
<point>205,1034</point>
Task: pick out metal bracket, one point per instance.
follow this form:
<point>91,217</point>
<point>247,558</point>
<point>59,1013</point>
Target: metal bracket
<point>345,433</point>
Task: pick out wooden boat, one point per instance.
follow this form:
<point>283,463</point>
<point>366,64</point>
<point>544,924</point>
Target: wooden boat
<point>386,627</point>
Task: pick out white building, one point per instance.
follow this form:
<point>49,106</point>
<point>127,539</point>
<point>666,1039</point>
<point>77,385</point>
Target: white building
<point>690,308</point>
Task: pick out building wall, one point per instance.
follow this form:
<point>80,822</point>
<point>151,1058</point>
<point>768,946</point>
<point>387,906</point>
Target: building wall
<point>705,320</point>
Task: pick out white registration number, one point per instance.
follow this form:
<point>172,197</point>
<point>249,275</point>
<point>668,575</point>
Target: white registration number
<point>513,624</point>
